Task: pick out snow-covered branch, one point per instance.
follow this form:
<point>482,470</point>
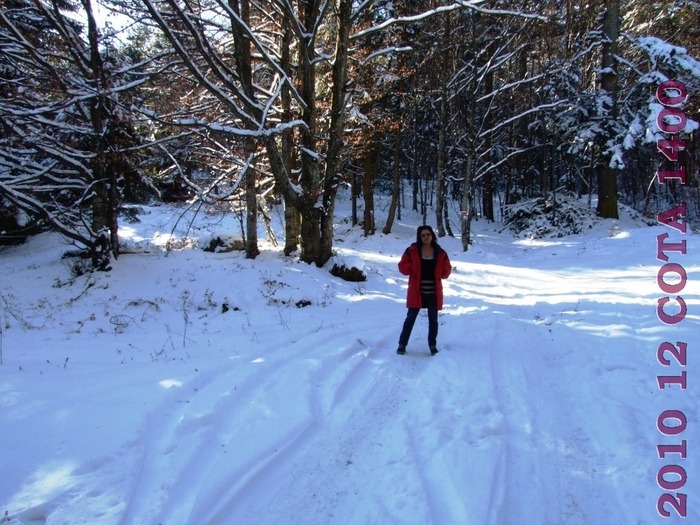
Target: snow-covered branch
<point>458,5</point>
<point>536,109</point>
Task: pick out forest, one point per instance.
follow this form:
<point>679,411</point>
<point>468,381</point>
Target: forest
<point>456,109</point>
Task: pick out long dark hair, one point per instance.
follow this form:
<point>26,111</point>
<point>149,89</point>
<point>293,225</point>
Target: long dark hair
<point>423,228</point>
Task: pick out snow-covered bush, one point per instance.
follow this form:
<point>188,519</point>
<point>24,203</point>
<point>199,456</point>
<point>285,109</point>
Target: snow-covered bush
<point>540,218</point>
<point>349,268</point>
<point>222,242</point>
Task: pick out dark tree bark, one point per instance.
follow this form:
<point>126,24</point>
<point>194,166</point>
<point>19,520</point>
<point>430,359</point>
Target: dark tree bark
<point>370,165</point>
<point>251,226</point>
<point>292,218</point>
<point>396,187</point>
<point>607,175</point>
<point>334,154</point>
<point>442,141</point>
<point>466,211</point>
<point>488,183</point>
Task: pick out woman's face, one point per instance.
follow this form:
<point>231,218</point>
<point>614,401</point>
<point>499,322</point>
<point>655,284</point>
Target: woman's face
<point>426,237</point>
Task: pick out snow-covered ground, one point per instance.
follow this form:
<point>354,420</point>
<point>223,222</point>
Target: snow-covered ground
<point>202,388</point>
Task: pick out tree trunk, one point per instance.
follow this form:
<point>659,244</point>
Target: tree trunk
<point>292,228</point>
<point>292,219</point>
<point>487,195</point>
<point>607,176</point>
<point>395,193</point>
<point>327,225</point>
<point>448,228</point>
<point>545,161</point>
<point>317,202</point>
<point>466,211</point>
<point>415,177</point>
<point>607,192</point>
<point>104,221</point>
<point>371,161</point>
<point>355,189</point>
<point>336,132</point>
<point>440,177</point>
<point>311,234</point>
<point>251,204</point>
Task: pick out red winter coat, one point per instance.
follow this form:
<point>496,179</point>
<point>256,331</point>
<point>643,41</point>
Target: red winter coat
<point>410,265</point>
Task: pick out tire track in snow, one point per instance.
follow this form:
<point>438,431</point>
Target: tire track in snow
<point>190,433</point>
<point>352,394</point>
<point>208,417</point>
<point>511,394</point>
<point>545,390</point>
<point>548,445</point>
<point>454,425</point>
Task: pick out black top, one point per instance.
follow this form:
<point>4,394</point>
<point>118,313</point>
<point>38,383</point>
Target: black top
<point>427,275</point>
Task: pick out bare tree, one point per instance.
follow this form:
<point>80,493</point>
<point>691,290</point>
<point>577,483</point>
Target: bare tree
<point>61,122</point>
<point>239,53</point>
<point>607,173</point>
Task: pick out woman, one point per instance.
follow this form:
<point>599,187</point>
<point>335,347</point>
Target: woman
<point>426,264</point>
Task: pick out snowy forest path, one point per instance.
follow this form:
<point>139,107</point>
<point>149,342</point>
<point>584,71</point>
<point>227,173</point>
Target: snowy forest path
<point>512,395</point>
<point>293,407</point>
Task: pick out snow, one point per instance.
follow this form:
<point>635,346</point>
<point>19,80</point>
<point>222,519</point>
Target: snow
<point>194,387</point>
<point>662,51</point>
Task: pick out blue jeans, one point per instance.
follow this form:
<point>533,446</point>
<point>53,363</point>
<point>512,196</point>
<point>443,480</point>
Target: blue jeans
<point>430,303</point>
